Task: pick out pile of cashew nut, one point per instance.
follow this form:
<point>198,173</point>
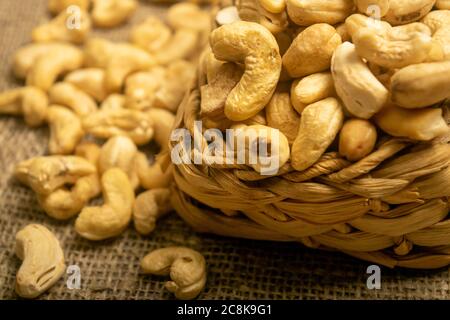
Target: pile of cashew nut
<point>330,75</point>
<point>104,102</point>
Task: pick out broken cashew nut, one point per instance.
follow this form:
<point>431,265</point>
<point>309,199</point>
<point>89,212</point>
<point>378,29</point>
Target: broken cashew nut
<point>42,260</point>
<point>111,219</point>
<point>149,207</point>
<point>256,47</point>
<point>186,267</point>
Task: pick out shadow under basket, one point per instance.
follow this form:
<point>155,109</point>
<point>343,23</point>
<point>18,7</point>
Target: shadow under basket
<point>390,208</point>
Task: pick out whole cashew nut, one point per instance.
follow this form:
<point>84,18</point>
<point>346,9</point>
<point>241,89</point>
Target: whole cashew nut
<point>65,130</point>
<point>309,12</point>
<point>114,101</point>
<point>374,8</point>
<point>90,81</point>
<point>163,122</point>
<point>111,13</point>
<point>357,21</point>
<point>361,92</point>
<point>319,126</point>
<point>46,174</point>
<point>182,45</point>
<point>31,102</point>
<point>56,6</point>
<point>186,267</point>
<point>149,207</point>
<point>437,19</point>
<point>274,6</point>
<point>111,219</point>
<point>281,115</point>
<point>357,139</point>
<point>141,88</point>
<point>256,47</point>
<point>310,89</point>
<point>187,15</point>
<point>157,175</point>
<point>407,11</point>
<point>42,260</point>
<point>151,35</point>
<point>58,30</point>
<point>68,95</point>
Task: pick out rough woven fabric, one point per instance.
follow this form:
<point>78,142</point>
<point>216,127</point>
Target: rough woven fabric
<point>237,269</point>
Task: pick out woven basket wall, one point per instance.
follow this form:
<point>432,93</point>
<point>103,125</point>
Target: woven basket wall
<point>390,208</point>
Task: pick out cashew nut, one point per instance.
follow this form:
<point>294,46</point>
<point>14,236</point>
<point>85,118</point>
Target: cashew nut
<point>157,175</point>
<point>111,13</point>
<point>311,50</point>
<point>42,260</point>
<point>443,4</point>
<point>442,38</point>
<point>319,126</point>
<point>45,174</point>
<point>163,122</point>
<point>357,21</point>
<point>114,101</point>
<point>309,12</point>
<point>357,139</point>
<point>111,219</point>
<point>187,15</point>
<point>437,19</point>
<point>132,123</point>
<point>65,130</point>
<point>178,76</point>
<point>227,15</point>
<point>396,48</point>
<point>421,85</point>
<point>151,35</point>
<point>141,87</point>
<point>310,89</point>
<point>422,124</point>
<point>149,207</point>
<point>253,11</point>
<point>58,29</point>
<point>274,6</point>
<point>56,6</point>
<point>282,116</point>
<point>90,81</point>
<point>47,67</point>
<point>257,48</point>
<point>68,95</point>
<point>186,267</point>
<point>362,93</point>
<point>407,11</point>
<point>182,45</point>
<point>342,31</point>
<point>31,102</point>
<point>374,8</point>
<point>119,152</point>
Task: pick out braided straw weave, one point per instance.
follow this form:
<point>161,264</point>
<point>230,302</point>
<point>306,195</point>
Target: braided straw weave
<point>390,208</point>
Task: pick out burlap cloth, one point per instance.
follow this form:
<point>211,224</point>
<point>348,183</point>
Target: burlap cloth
<point>237,269</point>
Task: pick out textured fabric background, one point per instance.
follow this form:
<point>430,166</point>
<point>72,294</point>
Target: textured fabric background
<point>237,269</point>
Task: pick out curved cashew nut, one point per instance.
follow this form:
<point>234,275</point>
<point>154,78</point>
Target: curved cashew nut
<point>311,50</point>
<point>97,52</point>
<point>422,124</point>
<point>437,19</point>
<point>157,175</point>
<point>47,67</point>
<point>64,203</point>
<point>58,30</point>
<point>281,115</point>
<point>114,101</point>
<point>421,85</point>
<point>119,152</point>
<point>357,21</point>
<point>56,6</point>
<point>65,130</point>
<point>309,12</point>
<point>407,11</point>
<point>149,207</point>
<point>90,81</point>
<point>111,219</point>
<point>45,174</point>
<point>111,13</point>
<point>373,8</point>
<point>442,38</point>
<point>361,92</point>
<point>132,123</point>
<point>274,6</point>
<point>163,121</point>
<point>255,46</point>
<point>319,126</point>
<point>357,139</point>
<point>70,96</point>
<point>187,15</point>
<point>187,269</point>
<point>151,35</point>
<point>43,260</point>
<point>141,87</point>
<point>182,45</point>
<point>396,48</point>
<point>254,11</point>
<point>310,89</point>
<point>32,102</point>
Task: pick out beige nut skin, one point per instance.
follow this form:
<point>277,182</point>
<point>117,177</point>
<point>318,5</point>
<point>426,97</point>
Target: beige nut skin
<point>311,50</point>
<point>362,93</point>
<point>186,267</point>
<point>319,126</point>
<point>255,46</point>
<point>111,219</point>
<point>309,12</point>
<point>417,124</point>
<point>149,207</point>
<point>421,85</point>
<point>357,139</point>
<point>43,260</point>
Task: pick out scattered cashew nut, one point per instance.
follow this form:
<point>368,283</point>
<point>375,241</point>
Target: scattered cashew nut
<point>111,13</point>
<point>90,81</point>
<point>65,130</point>
<point>68,95</point>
